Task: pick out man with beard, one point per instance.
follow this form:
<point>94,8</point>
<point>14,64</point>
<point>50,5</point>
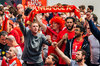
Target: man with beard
<point>79,60</point>
<point>76,44</point>
<point>62,36</point>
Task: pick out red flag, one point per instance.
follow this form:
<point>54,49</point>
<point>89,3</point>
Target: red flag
<point>3,63</point>
<point>4,25</point>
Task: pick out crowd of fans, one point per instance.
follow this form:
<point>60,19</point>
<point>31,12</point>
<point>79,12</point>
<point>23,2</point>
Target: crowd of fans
<point>58,38</point>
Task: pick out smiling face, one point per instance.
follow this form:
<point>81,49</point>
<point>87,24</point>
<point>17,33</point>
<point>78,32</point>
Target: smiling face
<point>3,39</point>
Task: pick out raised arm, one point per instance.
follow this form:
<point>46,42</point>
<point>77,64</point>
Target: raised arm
<point>46,41</point>
<point>61,54</point>
<point>39,20</point>
<point>93,28</point>
<point>21,25</point>
<point>64,39</point>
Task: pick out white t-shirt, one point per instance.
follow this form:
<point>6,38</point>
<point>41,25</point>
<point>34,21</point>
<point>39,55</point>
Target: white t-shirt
<point>95,49</point>
<point>74,63</point>
<point>19,54</point>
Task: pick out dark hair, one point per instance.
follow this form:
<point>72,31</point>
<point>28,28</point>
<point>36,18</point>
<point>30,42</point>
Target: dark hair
<point>82,29</point>
<point>58,4</point>
<point>2,9</point>
<point>70,18</point>
<point>3,33</point>
<point>27,11</point>
<point>83,52</point>
<point>55,58</point>
<point>64,4</point>
<point>13,11</point>
<point>91,7</point>
<point>82,6</point>
<point>19,16</point>
<point>95,18</point>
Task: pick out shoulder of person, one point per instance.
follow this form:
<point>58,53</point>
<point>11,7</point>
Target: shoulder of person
<point>85,41</point>
<point>40,35</point>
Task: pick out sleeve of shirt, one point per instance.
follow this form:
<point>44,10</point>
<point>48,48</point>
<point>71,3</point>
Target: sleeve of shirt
<point>94,30</point>
<point>23,29</point>
<point>72,63</point>
<point>45,41</point>
<point>86,47</point>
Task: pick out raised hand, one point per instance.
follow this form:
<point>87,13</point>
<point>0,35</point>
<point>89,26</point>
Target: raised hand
<point>65,36</point>
<point>54,44</point>
<point>88,16</point>
<point>38,18</point>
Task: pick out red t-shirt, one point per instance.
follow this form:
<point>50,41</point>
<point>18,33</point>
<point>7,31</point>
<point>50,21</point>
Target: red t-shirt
<point>53,35</point>
<point>70,34</point>
<point>19,31</point>
<point>60,35</point>
<point>16,35</point>
<point>76,46</point>
<point>14,61</point>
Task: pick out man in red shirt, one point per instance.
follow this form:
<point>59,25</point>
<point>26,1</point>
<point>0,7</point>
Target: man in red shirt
<point>69,30</point>
<point>11,31</point>
<point>17,28</point>
<point>12,55</point>
<point>77,43</point>
<point>57,25</point>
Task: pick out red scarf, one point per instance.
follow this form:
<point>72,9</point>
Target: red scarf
<point>69,8</point>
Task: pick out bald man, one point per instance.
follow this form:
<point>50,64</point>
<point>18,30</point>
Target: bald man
<point>11,41</point>
<point>12,58</point>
